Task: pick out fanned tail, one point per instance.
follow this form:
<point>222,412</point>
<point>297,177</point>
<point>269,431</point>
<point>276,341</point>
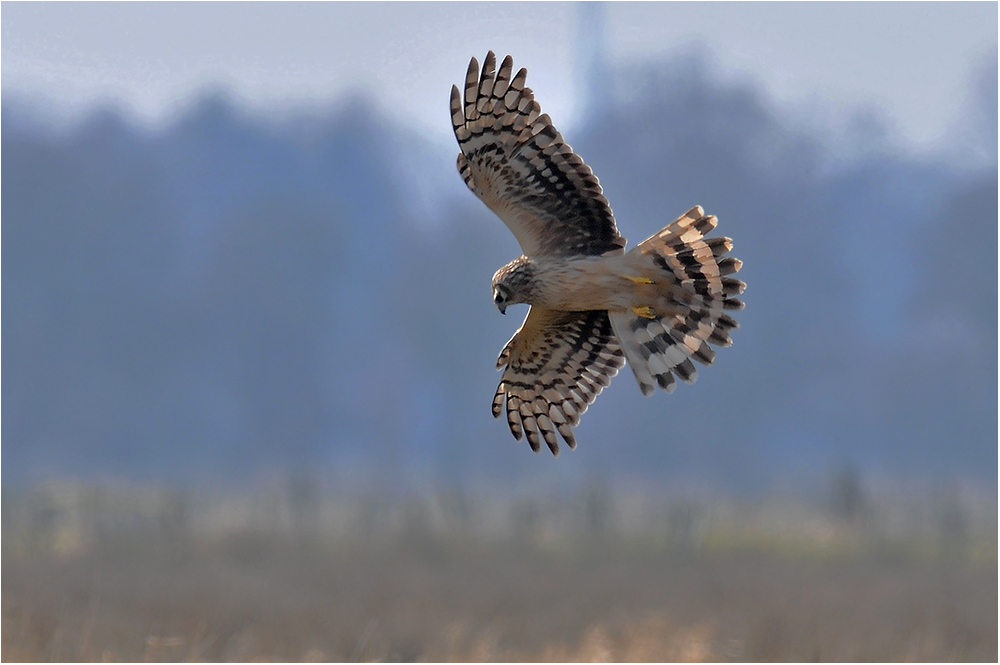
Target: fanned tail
<point>698,288</point>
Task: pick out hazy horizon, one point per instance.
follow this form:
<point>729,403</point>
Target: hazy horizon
<point>338,187</point>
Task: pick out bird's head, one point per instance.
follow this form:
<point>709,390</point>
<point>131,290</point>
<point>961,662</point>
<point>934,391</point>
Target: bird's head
<point>514,283</point>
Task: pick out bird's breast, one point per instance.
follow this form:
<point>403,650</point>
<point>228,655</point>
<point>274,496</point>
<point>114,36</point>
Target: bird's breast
<point>584,283</point>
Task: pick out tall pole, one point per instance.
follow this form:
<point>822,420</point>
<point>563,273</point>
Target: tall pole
<point>593,74</point>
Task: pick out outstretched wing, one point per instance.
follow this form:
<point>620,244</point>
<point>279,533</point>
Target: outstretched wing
<point>518,164</point>
<point>557,364</point>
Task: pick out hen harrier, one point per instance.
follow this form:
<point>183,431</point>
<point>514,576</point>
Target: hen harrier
<point>592,305</point>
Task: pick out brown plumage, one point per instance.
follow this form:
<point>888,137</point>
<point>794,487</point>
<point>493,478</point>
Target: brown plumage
<point>592,304</point>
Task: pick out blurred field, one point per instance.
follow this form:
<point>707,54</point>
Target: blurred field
<point>127,573</point>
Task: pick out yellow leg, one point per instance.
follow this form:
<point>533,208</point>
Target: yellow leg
<point>638,280</point>
<point>645,311</point>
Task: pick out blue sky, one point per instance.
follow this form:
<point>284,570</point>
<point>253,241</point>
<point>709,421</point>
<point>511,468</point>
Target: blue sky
<point>910,63</point>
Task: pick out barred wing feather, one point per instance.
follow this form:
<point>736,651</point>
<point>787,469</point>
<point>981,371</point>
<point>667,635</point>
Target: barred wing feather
<point>557,364</point>
<point>518,164</point>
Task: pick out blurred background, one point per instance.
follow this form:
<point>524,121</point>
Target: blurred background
<point>249,344</point>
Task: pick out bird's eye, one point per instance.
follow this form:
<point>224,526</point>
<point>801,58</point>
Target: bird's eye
<point>497,296</point>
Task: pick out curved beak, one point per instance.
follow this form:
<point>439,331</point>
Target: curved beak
<point>499,300</point>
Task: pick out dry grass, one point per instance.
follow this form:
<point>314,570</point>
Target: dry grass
<point>252,598</point>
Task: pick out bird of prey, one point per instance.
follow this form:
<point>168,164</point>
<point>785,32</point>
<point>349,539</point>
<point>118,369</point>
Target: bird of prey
<point>592,304</point>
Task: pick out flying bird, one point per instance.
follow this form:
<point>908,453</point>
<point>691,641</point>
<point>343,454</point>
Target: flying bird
<point>592,304</point>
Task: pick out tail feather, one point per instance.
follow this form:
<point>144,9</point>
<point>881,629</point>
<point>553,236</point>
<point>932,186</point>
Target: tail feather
<point>697,291</point>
